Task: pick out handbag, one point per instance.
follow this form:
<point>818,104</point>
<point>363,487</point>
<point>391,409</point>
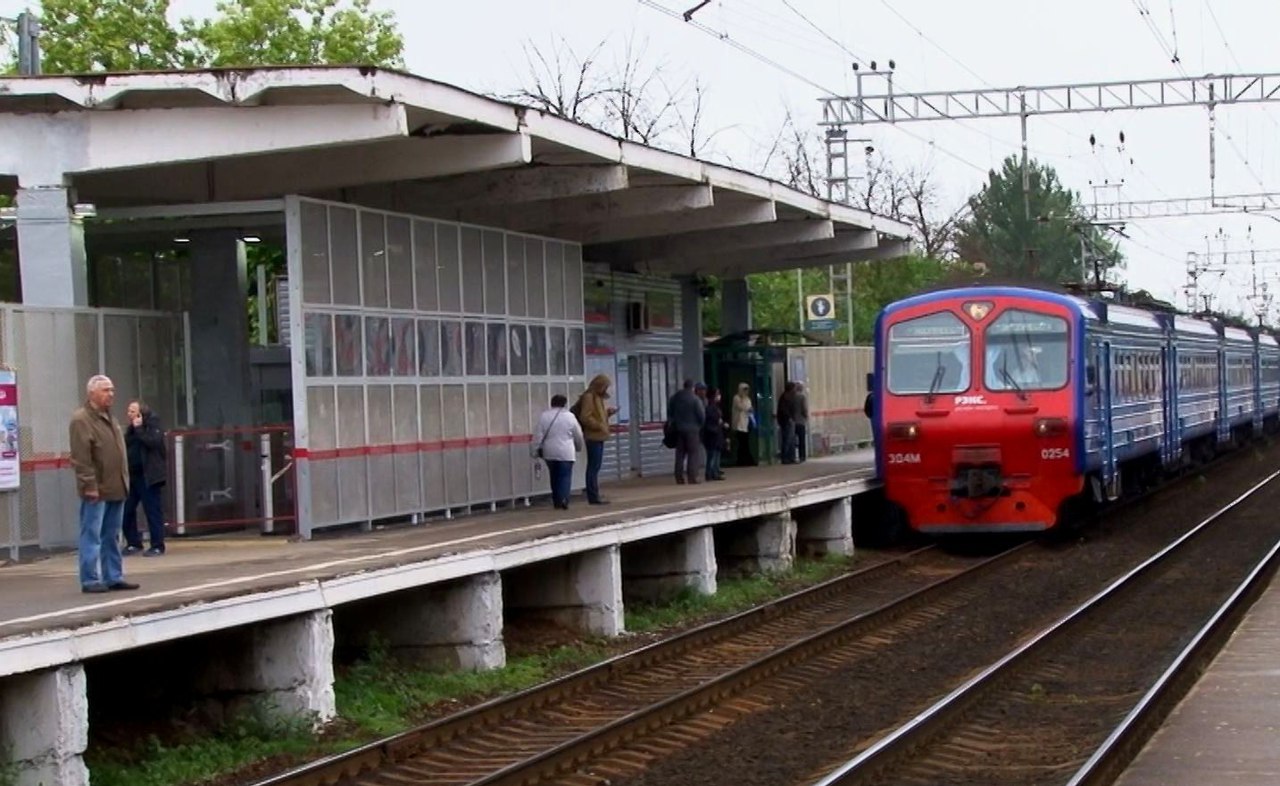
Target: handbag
<point>547,433</point>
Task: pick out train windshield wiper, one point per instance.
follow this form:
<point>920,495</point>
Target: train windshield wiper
<point>938,374</point>
<point>1009,380</point>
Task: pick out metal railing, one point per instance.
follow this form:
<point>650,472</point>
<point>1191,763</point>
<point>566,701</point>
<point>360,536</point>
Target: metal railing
<point>232,478</point>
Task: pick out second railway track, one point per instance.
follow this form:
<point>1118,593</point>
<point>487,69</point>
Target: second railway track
<point>1035,717</point>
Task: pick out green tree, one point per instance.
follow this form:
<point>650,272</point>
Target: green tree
<point>132,35</point>
<point>1043,248</point>
<point>295,32</point>
<point>106,35</point>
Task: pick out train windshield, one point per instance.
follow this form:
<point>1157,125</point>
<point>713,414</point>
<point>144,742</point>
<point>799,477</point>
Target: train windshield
<point>929,354</point>
<point>1026,351</point>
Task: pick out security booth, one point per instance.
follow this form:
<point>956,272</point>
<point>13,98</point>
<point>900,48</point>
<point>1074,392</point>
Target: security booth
<point>758,358</point>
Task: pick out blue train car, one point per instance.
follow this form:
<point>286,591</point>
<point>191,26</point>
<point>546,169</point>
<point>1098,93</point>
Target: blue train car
<point>1112,396</point>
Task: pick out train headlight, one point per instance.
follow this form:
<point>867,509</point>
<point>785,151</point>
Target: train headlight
<point>1050,427</point>
<point>904,430</point>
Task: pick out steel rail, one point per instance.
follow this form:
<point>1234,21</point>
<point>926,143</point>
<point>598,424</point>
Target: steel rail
<point>886,751</point>
<point>1120,747</point>
<point>603,739</point>
<point>398,747</point>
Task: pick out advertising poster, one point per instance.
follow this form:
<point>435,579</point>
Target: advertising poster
<point>10,467</point>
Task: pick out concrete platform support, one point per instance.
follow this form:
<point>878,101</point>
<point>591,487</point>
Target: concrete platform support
<point>51,250</point>
<point>282,667</point>
<point>691,330</point>
<point>763,545</point>
<point>658,569</point>
<point>583,591</point>
<point>455,625</point>
<point>219,333</point>
<point>44,727</point>
<point>735,306</point>
<point>826,529</point>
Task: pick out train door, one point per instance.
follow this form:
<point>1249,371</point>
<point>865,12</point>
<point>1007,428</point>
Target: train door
<point>1110,475</point>
<point>1169,392</point>
<point>1223,419</point>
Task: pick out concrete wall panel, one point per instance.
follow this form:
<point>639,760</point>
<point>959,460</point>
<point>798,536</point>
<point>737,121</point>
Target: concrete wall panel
<point>426,289</point>
<point>315,254</point>
<point>400,262</point>
<point>373,258</point>
<point>344,255</point>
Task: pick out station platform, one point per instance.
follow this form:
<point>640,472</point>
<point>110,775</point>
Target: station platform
<point>41,601</point>
<point>1226,731</point>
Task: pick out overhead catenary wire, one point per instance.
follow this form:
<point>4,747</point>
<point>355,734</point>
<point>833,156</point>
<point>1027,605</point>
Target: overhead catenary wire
<point>725,38</point>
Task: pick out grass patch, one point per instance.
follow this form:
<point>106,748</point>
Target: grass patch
<point>732,595</point>
<point>379,696</point>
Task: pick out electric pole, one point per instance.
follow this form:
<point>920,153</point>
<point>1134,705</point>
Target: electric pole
<point>28,29</point>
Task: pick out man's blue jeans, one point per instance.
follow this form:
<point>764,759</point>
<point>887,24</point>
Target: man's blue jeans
<point>100,560</point>
<point>595,460</point>
<point>561,473</point>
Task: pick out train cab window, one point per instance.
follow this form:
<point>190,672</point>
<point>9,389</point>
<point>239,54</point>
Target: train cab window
<point>929,354</point>
<point>1026,351</point>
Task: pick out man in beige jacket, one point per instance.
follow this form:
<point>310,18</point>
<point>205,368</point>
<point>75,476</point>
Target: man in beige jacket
<point>102,481</point>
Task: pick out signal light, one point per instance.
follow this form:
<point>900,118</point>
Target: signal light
<point>1050,427</point>
<point>978,309</point>
<point>904,430</point>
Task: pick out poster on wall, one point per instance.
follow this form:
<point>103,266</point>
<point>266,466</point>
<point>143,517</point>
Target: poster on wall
<point>10,466</point>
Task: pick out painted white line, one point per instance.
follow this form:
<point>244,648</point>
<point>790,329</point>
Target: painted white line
<point>349,561</point>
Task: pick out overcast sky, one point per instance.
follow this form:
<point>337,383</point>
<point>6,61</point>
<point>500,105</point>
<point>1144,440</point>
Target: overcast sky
<point>937,45</point>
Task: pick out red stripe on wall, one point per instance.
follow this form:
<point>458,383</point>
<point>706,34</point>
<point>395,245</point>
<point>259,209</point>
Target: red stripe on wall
<point>46,462</point>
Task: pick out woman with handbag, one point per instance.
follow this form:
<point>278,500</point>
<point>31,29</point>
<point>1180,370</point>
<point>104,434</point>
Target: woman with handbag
<point>557,440</point>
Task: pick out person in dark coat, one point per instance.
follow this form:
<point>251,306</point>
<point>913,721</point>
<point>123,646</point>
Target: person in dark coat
<point>786,416</point>
<point>686,414</point>
<point>713,436</point>
<point>148,471</point>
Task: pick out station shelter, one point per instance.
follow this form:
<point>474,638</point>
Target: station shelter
<point>428,267</point>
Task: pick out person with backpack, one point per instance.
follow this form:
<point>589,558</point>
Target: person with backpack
<point>593,413</point>
<point>557,440</point>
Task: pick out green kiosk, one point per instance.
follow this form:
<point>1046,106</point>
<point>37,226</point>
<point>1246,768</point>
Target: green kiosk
<point>758,358</point>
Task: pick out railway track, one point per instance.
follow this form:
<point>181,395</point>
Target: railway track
<point>1075,702</point>
<point>554,729</point>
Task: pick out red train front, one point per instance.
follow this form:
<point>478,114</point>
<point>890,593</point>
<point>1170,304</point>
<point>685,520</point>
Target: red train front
<point>977,408</point>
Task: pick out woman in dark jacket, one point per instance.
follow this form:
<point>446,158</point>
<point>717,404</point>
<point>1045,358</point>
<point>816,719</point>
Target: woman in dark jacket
<point>148,471</point>
<point>713,435</point>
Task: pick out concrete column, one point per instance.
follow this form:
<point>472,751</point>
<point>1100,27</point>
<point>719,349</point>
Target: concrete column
<point>455,625</point>
<point>691,330</point>
<point>220,330</point>
<point>735,305</point>
<point>283,667</point>
<point>763,545</point>
<point>51,252</point>
<point>583,591</point>
<point>826,529</point>
<point>658,569</point>
<point>44,727</point>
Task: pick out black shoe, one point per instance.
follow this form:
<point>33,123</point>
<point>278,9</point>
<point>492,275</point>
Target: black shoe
<point>94,588</point>
<point>129,550</point>
<point>122,585</point>
<point>153,552</point>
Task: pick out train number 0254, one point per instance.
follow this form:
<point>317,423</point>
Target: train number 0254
<point>1050,454</point>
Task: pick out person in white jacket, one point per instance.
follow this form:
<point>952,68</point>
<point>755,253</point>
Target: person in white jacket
<point>557,441</point>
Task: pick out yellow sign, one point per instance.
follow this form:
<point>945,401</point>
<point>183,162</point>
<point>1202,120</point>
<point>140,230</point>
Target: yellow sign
<point>820,307</point>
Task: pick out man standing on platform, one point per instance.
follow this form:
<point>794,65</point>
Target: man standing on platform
<point>686,415</point>
<point>593,414</point>
<point>102,481</point>
<point>802,423</point>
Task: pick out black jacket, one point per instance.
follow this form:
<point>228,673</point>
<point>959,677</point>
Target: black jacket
<point>713,428</point>
<point>147,451</point>
<point>685,411</point>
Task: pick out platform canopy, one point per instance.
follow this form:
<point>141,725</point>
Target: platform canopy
<point>208,144</point>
